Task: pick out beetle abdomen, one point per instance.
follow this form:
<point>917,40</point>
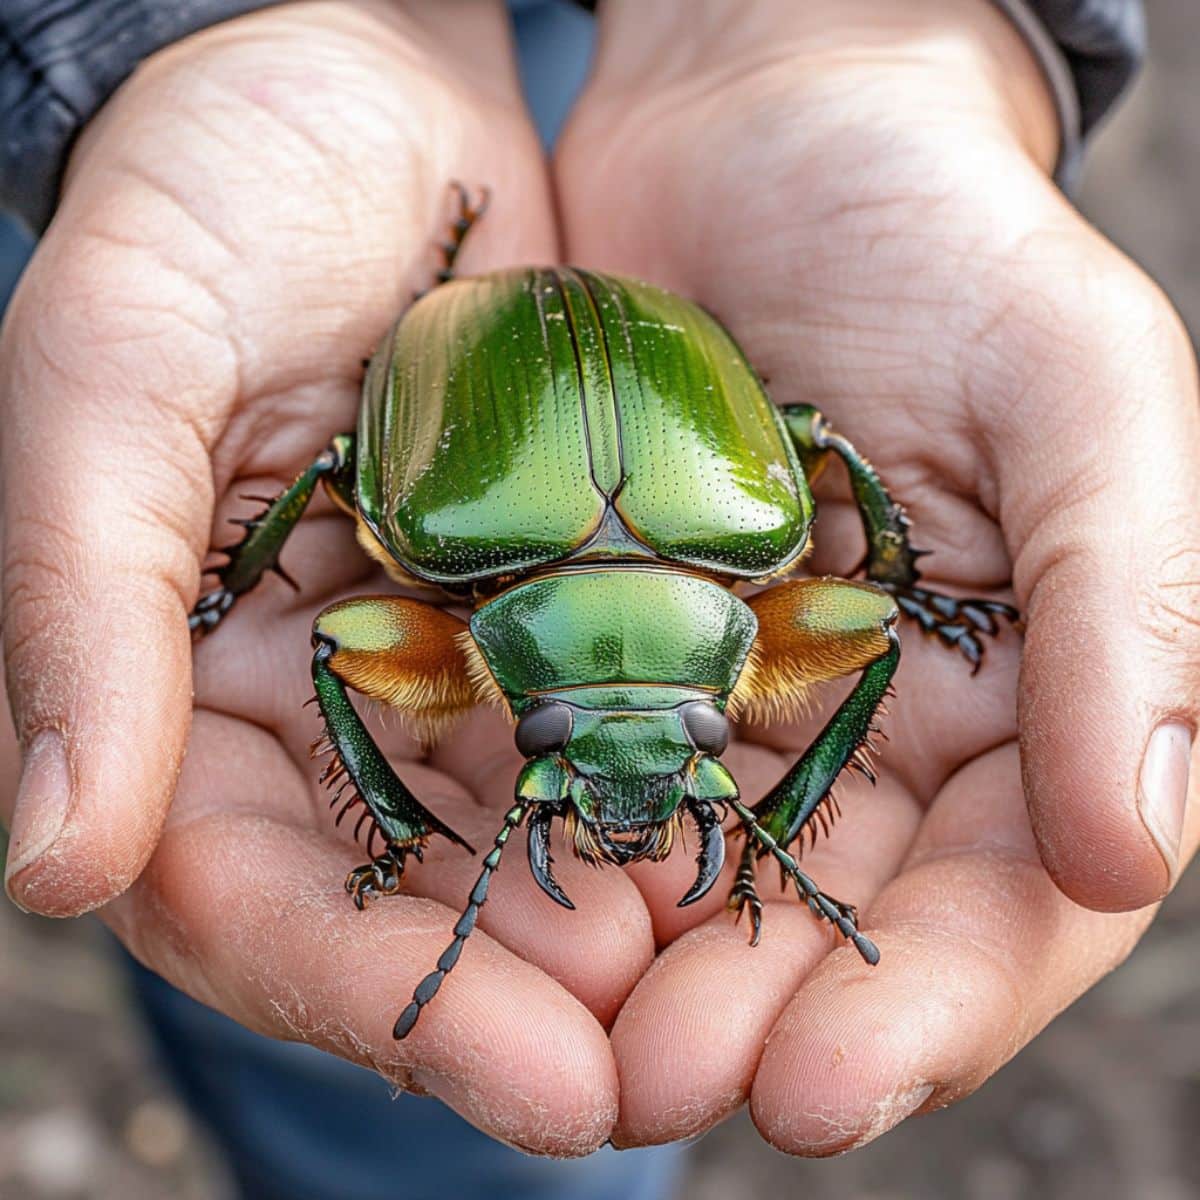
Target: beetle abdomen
<point>524,417</point>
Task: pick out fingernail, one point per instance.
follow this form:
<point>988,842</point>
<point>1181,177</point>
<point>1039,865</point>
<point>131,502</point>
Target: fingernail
<point>1162,788</point>
<point>41,808</point>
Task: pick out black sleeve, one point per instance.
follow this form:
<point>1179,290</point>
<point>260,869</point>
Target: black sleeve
<point>59,61</point>
<point>1090,50</point>
<point>1103,41</point>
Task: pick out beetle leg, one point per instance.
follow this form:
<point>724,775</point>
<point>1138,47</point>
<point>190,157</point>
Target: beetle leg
<point>809,630</point>
<point>844,917</point>
<point>401,652</point>
<point>790,806</point>
<point>891,560</point>
<point>469,211</point>
<point>380,877</point>
<point>817,629</point>
<point>250,559</point>
<point>428,987</point>
<point>745,892</point>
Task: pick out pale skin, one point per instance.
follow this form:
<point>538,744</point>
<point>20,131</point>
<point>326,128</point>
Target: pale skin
<point>860,192</point>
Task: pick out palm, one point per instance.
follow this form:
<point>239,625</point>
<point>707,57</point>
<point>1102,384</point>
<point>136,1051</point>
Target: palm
<point>862,272</point>
<point>252,858</point>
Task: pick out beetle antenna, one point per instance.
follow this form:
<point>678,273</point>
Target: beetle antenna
<point>428,987</point>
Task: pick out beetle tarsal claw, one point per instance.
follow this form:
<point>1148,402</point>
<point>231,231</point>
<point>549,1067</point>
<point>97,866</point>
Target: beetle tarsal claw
<point>209,611</point>
<point>744,896</point>
<point>380,877</point>
<point>711,857</point>
<point>959,622</point>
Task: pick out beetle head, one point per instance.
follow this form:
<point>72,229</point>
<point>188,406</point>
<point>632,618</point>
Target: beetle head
<point>622,766</point>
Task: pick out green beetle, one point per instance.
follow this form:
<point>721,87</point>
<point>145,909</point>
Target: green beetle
<point>592,463</point>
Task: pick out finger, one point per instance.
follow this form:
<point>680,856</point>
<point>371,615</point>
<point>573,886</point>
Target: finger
<point>688,1040</point>
<point>231,910</point>
<point>104,520</point>
<point>979,950</point>
<point>249,877</point>
<point>1110,688</point>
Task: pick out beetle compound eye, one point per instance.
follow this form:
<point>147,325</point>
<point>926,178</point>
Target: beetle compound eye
<point>706,725</point>
<point>544,729</point>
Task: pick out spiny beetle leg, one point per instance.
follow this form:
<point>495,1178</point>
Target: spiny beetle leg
<point>357,765</point>
<point>891,561</point>
<point>248,560</point>
<point>469,211</point>
<point>745,893</point>
<point>844,917</point>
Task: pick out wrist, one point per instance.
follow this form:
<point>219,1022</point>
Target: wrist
<point>957,56</point>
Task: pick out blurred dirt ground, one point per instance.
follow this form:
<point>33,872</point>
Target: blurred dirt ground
<point>1104,1105</point>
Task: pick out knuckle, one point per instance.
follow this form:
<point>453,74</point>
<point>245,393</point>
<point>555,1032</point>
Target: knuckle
<point>62,583</point>
<point>1072,329</point>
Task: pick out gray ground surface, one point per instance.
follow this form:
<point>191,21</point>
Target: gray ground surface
<point>1105,1104</point>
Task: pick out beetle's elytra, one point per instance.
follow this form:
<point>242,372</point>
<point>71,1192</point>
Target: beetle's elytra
<point>594,465</point>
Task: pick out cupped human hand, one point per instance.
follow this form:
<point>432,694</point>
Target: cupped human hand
<point>860,191</point>
<point>239,226</point>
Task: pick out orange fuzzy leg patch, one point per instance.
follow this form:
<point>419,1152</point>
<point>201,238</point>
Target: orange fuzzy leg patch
<point>403,653</point>
<point>809,630</point>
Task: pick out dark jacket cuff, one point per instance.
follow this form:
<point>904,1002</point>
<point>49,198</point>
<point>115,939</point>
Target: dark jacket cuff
<point>60,60</point>
<point>1090,51</point>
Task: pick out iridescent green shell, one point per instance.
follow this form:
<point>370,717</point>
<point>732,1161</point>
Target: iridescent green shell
<point>527,417</point>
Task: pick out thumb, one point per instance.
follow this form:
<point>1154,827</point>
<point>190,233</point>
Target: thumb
<point>107,497</point>
<point>1098,468</point>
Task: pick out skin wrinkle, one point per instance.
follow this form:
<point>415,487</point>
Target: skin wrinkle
<point>337,199</point>
<point>1171,600</point>
<point>158,183</point>
<point>101,314</point>
<point>270,435</point>
<point>848,1132</point>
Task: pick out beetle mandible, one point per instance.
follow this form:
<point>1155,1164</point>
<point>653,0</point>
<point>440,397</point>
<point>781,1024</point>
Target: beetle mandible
<point>570,451</point>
